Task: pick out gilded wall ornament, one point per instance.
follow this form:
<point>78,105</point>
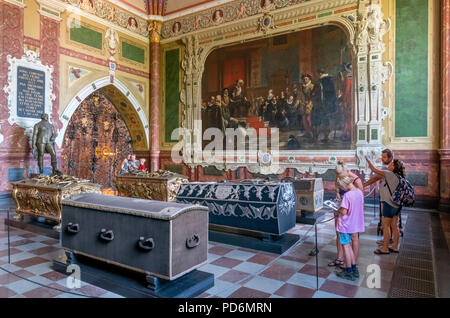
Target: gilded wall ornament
<point>109,12</point>
<point>230,12</point>
<point>112,41</point>
<point>266,23</point>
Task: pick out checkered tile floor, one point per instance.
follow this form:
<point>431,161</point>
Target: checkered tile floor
<point>238,272</point>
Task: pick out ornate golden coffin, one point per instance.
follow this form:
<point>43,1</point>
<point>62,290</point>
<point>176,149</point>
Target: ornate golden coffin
<point>42,196</point>
<point>159,185</point>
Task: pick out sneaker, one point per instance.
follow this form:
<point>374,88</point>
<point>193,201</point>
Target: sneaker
<point>345,275</point>
<point>355,273</point>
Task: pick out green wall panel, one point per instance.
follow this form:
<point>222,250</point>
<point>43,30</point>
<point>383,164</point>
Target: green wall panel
<point>84,35</point>
<point>411,100</point>
<point>133,52</point>
<point>172,92</point>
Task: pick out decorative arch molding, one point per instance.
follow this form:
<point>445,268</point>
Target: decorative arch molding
<point>88,90</point>
<point>361,20</point>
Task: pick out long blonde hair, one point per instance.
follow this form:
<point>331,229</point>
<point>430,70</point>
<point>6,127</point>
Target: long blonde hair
<point>344,181</point>
<point>341,168</point>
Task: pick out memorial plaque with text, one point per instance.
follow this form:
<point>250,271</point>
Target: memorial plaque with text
<point>30,92</point>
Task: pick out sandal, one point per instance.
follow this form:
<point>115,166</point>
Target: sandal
<point>336,262</point>
<point>380,252</point>
<point>394,251</point>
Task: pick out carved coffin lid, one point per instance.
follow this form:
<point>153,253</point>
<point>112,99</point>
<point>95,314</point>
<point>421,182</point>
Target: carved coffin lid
<point>33,183</point>
<point>250,191</point>
<point>139,207</point>
<point>160,175</point>
<point>308,185</point>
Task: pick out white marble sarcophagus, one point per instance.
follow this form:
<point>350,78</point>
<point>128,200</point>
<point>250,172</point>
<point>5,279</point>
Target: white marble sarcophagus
<point>309,194</point>
<point>161,239</point>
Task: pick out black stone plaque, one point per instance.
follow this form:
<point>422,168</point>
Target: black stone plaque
<point>30,92</point>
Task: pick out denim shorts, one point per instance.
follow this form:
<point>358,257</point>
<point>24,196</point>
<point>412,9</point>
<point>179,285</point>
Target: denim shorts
<point>345,238</point>
<point>389,211</point>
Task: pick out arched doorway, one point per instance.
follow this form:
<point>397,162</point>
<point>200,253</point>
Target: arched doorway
<point>96,141</point>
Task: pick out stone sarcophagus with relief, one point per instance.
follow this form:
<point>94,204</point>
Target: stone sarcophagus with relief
<point>309,194</point>
<point>43,196</point>
<point>159,185</point>
<point>161,239</point>
<point>264,207</point>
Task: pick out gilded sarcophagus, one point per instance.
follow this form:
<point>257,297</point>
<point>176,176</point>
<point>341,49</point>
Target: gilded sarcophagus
<point>309,194</point>
<point>42,196</point>
<point>163,239</point>
<point>159,185</point>
<point>265,207</point>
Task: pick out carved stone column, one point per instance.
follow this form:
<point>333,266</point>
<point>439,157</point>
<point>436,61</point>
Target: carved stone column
<point>445,110</point>
<point>155,39</point>
<point>193,69</point>
<point>370,75</point>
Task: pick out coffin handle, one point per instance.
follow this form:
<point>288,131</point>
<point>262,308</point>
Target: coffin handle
<point>193,241</point>
<point>146,244</point>
<point>107,236</point>
<point>73,228</point>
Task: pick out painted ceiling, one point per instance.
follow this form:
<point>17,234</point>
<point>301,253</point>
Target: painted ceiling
<point>164,7</point>
<point>140,5</point>
<point>173,6</point>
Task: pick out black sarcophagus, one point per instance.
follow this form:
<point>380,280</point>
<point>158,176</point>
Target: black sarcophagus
<point>162,239</point>
<point>265,207</point>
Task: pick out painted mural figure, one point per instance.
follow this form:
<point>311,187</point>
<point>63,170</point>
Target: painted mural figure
<point>228,121</point>
<point>212,115</point>
<point>307,103</point>
<point>239,104</point>
<point>132,24</point>
<point>328,105</point>
<point>43,142</point>
<point>292,112</point>
<point>218,16</point>
<point>176,28</point>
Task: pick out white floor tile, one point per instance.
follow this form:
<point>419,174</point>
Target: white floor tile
<point>264,284</point>
<point>40,269</point>
<point>304,280</point>
<point>248,267</point>
<point>213,269</point>
<point>322,294</point>
<point>240,255</point>
<point>22,286</point>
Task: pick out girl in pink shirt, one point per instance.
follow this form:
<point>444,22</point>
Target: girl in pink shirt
<point>350,221</point>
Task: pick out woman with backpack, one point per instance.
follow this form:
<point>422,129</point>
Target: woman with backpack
<point>389,221</point>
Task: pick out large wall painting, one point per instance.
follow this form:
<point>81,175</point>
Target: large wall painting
<point>300,83</point>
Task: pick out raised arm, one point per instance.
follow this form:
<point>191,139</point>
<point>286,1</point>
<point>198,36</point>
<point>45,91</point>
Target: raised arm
<point>372,180</point>
<point>374,170</point>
